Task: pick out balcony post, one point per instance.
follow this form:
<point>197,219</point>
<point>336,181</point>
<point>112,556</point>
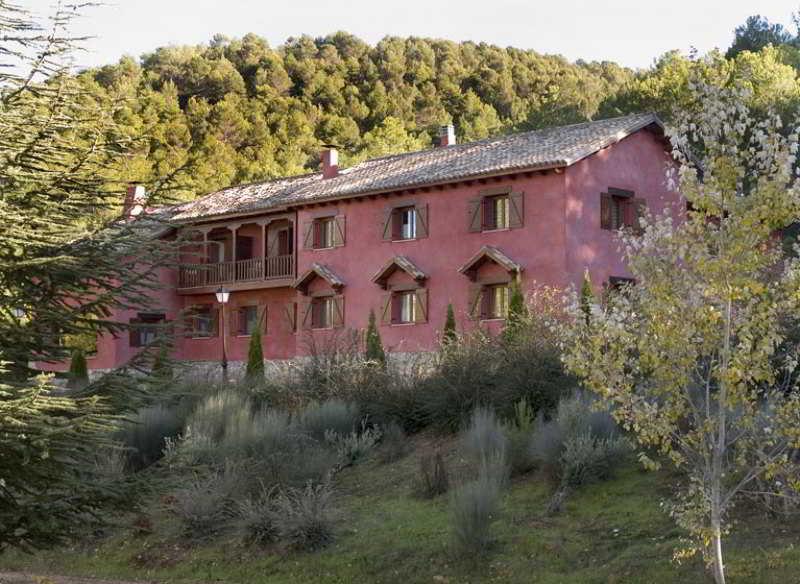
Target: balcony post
<point>264,249</point>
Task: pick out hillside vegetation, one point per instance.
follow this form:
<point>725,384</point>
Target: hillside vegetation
<point>234,111</point>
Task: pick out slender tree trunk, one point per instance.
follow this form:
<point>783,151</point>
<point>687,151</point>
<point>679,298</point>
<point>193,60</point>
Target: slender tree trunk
<point>717,567</point>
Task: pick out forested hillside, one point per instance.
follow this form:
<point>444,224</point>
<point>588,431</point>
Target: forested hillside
<point>235,111</point>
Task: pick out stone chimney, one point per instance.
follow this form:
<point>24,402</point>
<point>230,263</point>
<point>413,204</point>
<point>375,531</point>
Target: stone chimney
<point>135,199</point>
<point>447,136</point>
<point>330,162</point>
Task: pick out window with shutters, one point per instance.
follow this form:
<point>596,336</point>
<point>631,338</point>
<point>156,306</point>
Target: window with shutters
<point>203,321</point>
<point>322,312</point>
<point>495,212</point>
<point>144,328</point>
<point>496,209</point>
<point>496,298</point>
<point>323,232</point>
<point>620,208</point>
<point>247,320</point>
<point>404,223</point>
<point>404,307</point>
<point>617,284</point>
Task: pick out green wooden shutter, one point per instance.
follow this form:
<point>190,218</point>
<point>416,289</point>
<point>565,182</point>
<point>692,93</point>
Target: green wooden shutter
<point>422,221</point>
<point>516,208</point>
<point>606,202</point>
<point>474,214</point>
<point>338,230</point>
<point>421,300</point>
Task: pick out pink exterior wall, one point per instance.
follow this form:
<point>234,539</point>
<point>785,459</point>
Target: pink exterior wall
<point>539,246</point>
<point>638,163</point>
<point>560,238</point>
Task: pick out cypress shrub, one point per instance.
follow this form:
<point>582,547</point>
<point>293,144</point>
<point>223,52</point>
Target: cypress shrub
<point>374,348</point>
<point>449,333</point>
<point>587,298</point>
<point>78,370</point>
<point>255,358</point>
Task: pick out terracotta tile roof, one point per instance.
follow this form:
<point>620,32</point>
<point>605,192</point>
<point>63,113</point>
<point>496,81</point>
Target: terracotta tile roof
<point>489,253</point>
<point>398,263</point>
<point>318,271</point>
<point>538,149</point>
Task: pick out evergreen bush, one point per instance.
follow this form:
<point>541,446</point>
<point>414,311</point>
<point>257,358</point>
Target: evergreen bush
<point>78,370</point>
<point>255,358</point>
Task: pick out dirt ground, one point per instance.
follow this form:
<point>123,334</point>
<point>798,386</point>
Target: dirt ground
<point>24,578</point>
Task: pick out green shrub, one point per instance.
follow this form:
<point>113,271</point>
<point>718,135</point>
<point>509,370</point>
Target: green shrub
<point>78,376</point>
<point>205,507</point>
<point>474,507</point>
<point>257,521</point>
<point>485,443</point>
<point>355,446</point>
<point>255,358</point>
<point>213,414</point>
<point>578,446</point>
<point>332,415</point>
<point>146,433</point>
<point>482,371</point>
<point>587,459</point>
<point>374,347</point>
<point>433,479</point>
<point>304,516</point>
<point>449,334</point>
<point>394,443</point>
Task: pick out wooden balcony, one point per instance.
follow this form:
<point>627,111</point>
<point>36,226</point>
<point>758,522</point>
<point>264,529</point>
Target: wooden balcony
<point>250,273</point>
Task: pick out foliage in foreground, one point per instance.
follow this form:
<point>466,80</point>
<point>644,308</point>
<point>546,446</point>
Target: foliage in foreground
<point>698,358</point>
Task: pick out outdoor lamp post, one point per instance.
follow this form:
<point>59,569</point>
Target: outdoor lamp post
<point>222,295</point>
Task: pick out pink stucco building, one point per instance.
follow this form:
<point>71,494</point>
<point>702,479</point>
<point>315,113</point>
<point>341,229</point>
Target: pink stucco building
<point>404,235</point>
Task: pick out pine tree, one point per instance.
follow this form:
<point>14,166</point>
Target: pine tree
<point>374,348</point>
<point>78,370</point>
<point>60,141</point>
<point>162,364</point>
<point>587,298</point>
<point>255,358</point>
<point>449,334</point>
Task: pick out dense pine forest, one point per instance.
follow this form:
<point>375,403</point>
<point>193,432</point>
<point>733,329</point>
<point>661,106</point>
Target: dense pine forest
<point>235,111</point>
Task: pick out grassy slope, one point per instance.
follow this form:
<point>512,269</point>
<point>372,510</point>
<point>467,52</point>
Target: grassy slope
<point>610,532</point>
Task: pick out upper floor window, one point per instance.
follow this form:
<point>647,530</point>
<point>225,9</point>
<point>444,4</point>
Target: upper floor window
<point>620,208</point>
<point>324,233</point>
<point>144,328</point>
<point>496,209</point>
<point>495,212</point>
<point>405,222</point>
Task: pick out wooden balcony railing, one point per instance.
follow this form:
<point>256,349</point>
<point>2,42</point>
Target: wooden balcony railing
<point>250,270</point>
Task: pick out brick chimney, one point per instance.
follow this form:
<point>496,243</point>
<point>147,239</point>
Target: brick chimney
<point>330,162</point>
<point>135,199</point>
<point>447,135</point>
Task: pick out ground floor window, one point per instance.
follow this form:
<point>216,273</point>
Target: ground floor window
<point>203,321</point>
<point>248,320</point>
<point>404,307</point>
<point>494,301</point>
<point>145,328</point>
<point>322,312</point>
